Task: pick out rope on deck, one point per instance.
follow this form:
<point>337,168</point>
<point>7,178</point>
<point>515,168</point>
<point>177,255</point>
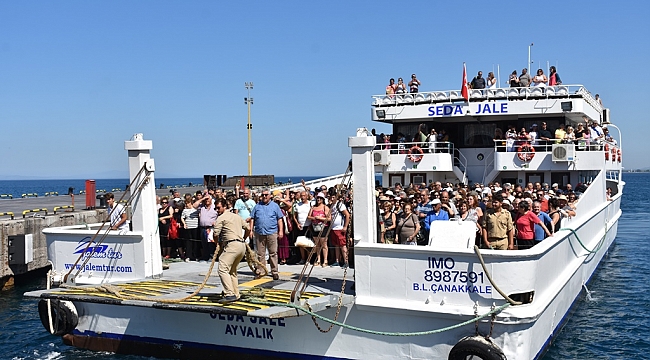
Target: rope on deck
<point>251,259</point>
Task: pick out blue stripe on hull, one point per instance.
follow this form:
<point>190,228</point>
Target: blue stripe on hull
<point>148,346</point>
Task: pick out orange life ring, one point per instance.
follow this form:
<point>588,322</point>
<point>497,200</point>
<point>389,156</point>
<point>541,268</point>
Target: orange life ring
<point>416,154</point>
<point>613,153</point>
<point>606,152</point>
<point>526,152</point>
<point>620,157</point>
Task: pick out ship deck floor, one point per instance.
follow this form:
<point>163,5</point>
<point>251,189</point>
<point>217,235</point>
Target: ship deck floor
<point>182,279</point>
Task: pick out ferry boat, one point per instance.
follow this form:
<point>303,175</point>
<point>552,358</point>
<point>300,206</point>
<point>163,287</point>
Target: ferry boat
<point>444,300</point>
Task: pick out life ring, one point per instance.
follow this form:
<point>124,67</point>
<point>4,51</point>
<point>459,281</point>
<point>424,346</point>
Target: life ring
<point>620,156</point>
<point>64,316</point>
<point>476,346</point>
<point>606,152</point>
<point>526,152</point>
<point>613,153</point>
<point>416,154</point>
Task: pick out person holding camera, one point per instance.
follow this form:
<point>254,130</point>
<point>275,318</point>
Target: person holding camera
<point>207,217</point>
<point>243,207</point>
<point>414,84</point>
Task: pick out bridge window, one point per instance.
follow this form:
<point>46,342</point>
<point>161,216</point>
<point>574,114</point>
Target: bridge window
<point>479,135</point>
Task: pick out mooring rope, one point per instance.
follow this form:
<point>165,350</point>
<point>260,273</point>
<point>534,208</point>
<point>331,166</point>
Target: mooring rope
<point>375,332</point>
<point>251,260</point>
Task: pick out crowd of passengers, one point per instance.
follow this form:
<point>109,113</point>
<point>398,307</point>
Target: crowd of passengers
<point>506,217</point>
<point>586,134</point>
<point>479,82</point>
<point>523,80</point>
<point>430,139</point>
<point>321,214</point>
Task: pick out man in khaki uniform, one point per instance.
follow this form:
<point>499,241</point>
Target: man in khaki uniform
<point>498,229</point>
<point>228,227</point>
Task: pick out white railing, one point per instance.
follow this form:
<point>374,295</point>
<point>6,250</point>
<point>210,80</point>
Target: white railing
<point>548,92</point>
<point>547,146</point>
<point>462,164</point>
<point>328,181</point>
<point>438,147</point>
<point>489,164</point>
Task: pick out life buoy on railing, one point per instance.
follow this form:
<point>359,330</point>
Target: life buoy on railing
<point>620,157</point>
<point>476,346</point>
<point>606,152</point>
<point>613,153</point>
<point>526,152</point>
<point>416,154</point>
<point>64,317</point>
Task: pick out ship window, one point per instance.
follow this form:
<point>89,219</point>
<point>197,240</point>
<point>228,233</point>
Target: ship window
<point>479,135</point>
<point>409,130</point>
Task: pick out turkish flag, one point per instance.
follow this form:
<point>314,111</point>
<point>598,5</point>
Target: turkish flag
<point>464,90</point>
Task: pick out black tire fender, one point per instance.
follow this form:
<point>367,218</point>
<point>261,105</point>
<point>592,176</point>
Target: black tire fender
<point>64,316</point>
<point>476,346</point>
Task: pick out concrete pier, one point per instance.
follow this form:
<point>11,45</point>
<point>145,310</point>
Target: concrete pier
<point>34,222</point>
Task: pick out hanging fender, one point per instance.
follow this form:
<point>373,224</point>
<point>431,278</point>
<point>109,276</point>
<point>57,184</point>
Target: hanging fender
<point>478,346</point>
<point>64,317</point>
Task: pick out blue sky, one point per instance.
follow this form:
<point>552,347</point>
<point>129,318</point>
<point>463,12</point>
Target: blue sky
<point>77,78</point>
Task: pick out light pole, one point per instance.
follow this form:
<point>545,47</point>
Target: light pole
<point>529,46</point>
<point>249,100</point>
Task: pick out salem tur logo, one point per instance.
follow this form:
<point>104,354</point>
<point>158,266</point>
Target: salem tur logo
<point>96,251</point>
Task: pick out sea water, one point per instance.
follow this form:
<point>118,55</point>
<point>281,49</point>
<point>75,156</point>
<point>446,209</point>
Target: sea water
<point>17,188</point>
<point>609,324</point>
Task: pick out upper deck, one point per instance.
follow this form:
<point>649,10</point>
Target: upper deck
<point>501,104</point>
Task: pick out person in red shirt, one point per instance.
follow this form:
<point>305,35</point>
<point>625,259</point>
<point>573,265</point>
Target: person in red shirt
<point>525,224</point>
<point>543,200</point>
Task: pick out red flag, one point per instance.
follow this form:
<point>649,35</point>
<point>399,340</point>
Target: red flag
<point>464,90</point>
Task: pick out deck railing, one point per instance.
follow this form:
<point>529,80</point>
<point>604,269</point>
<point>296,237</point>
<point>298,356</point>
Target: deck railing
<point>438,147</point>
<point>547,146</point>
<point>447,96</point>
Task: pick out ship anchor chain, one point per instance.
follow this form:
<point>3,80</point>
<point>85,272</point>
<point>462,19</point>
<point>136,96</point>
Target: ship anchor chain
<point>339,305</point>
<point>493,317</point>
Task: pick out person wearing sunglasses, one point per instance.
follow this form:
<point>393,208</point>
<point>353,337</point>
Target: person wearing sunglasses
<point>266,221</point>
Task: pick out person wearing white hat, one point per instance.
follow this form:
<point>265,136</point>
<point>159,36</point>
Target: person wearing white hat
<point>436,214</point>
<point>567,210</point>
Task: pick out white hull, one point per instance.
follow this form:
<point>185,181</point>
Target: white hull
<point>522,332</point>
<point>398,289</point>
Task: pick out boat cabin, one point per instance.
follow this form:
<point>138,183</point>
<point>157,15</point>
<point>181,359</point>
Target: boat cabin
<point>471,146</point>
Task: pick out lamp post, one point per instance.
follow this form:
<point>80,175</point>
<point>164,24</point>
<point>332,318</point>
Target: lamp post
<point>248,101</point>
<point>529,46</point>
